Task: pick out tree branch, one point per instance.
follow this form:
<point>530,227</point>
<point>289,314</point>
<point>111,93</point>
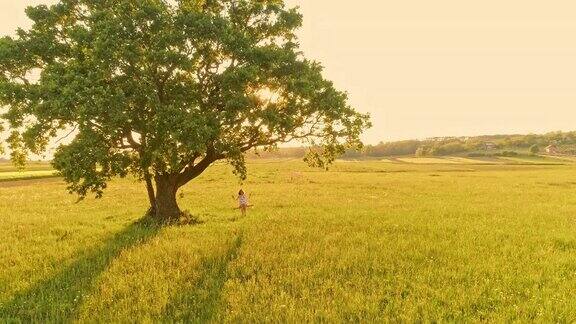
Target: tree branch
<point>192,171</point>
<point>65,136</point>
<point>131,140</point>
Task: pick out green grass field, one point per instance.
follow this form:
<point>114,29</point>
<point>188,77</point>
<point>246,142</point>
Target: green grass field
<point>370,241</point>
<point>34,170</point>
<point>31,166</point>
<point>21,175</point>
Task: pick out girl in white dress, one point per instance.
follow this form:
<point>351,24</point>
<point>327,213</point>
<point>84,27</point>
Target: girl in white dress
<point>242,202</point>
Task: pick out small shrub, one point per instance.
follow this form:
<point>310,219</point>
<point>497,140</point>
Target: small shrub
<point>507,154</point>
<point>477,154</point>
<point>421,151</point>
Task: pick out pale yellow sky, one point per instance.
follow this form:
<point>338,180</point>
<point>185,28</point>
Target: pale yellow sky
<point>445,67</point>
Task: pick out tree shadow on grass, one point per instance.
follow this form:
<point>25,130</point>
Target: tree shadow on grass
<point>57,299</point>
<point>201,304</point>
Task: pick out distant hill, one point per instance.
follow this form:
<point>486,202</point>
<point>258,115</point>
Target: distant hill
<point>563,143</point>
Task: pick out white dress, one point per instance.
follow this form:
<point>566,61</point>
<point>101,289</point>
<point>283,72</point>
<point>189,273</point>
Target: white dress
<point>243,200</point>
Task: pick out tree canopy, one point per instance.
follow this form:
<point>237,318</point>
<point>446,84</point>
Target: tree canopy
<point>164,88</point>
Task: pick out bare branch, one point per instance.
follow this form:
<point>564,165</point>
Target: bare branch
<point>65,136</point>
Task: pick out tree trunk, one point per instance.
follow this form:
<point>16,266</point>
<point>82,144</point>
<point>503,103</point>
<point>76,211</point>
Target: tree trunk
<point>151,194</point>
<point>166,209</point>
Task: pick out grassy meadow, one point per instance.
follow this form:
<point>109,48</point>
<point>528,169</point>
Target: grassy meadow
<point>34,170</point>
<point>388,241</point>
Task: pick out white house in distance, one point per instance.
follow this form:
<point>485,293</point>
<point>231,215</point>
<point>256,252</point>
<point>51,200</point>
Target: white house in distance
<point>551,149</point>
<point>489,146</point>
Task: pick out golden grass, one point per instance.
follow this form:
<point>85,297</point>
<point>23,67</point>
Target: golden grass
<point>465,160</point>
<point>370,241</point>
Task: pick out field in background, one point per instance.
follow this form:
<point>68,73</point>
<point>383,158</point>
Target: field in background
<point>31,166</point>
<point>34,170</point>
<point>397,240</point>
<point>43,169</point>
<point>518,160</point>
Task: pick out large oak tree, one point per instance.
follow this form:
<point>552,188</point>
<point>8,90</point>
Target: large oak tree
<point>164,88</point>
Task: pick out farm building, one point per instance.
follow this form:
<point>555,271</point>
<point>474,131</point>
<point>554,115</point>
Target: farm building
<point>551,149</point>
<point>490,146</point>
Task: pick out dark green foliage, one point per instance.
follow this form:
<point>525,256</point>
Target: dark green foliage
<point>478,154</point>
<point>163,89</point>
<point>497,154</point>
<point>393,148</point>
<point>534,149</point>
<point>507,154</point>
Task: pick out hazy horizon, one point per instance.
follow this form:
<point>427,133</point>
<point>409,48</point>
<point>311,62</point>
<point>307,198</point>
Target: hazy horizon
<point>443,68</point>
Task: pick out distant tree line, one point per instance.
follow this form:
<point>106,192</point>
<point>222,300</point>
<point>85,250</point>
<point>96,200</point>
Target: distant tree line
<point>475,145</point>
<point>506,145</point>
